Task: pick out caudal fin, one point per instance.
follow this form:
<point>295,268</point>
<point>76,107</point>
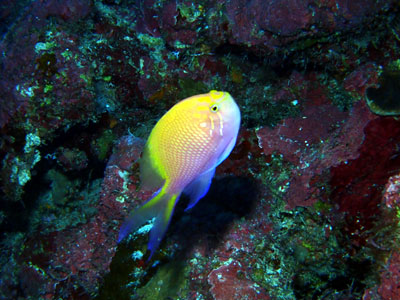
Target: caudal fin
<point>159,207</point>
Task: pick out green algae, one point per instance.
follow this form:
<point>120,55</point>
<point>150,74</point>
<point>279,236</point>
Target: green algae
<point>170,282</point>
<point>131,277</point>
<point>341,98</point>
<point>104,144</point>
<point>190,12</point>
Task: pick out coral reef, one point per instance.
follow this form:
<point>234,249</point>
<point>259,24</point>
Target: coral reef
<point>307,205</point>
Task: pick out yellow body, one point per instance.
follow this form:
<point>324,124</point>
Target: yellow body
<point>181,143</point>
<point>181,154</point>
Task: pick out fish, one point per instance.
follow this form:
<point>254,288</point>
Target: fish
<point>180,156</point>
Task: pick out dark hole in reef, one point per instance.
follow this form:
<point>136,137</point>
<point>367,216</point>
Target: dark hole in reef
<point>281,64</point>
<point>46,64</point>
<point>236,50</point>
<point>79,136</point>
<point>387,96</point>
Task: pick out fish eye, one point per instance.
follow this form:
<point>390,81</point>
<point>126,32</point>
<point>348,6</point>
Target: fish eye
<point>214,108</point>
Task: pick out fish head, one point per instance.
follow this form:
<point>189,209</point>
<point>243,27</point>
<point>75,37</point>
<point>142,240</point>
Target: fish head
<point>217,114</point>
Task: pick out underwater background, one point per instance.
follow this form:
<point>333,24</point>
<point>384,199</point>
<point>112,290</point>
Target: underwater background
<point>307,206</point>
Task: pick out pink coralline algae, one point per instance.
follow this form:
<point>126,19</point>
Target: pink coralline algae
<point>117,178</point>
<point>70,10</point>
<point>309,194</point>
<point>269,24</point>
<point>358,184</point>
<point>389,288</point>
<point>361,78</point>
<point>314,142</point>
<point>10,76</point>
<point>255,20</point>
<point>75,253</point>
<point>230,282</point>
<point>19,52</point>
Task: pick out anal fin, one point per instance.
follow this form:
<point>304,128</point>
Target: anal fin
<point>198,188</point>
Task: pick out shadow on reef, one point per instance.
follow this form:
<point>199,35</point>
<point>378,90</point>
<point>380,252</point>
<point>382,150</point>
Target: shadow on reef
<point>228,199</point>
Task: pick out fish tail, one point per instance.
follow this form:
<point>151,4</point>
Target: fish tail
<point>165,209</point>
<point>159,207</point>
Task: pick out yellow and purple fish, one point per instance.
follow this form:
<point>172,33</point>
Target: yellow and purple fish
<point>180,156</point>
